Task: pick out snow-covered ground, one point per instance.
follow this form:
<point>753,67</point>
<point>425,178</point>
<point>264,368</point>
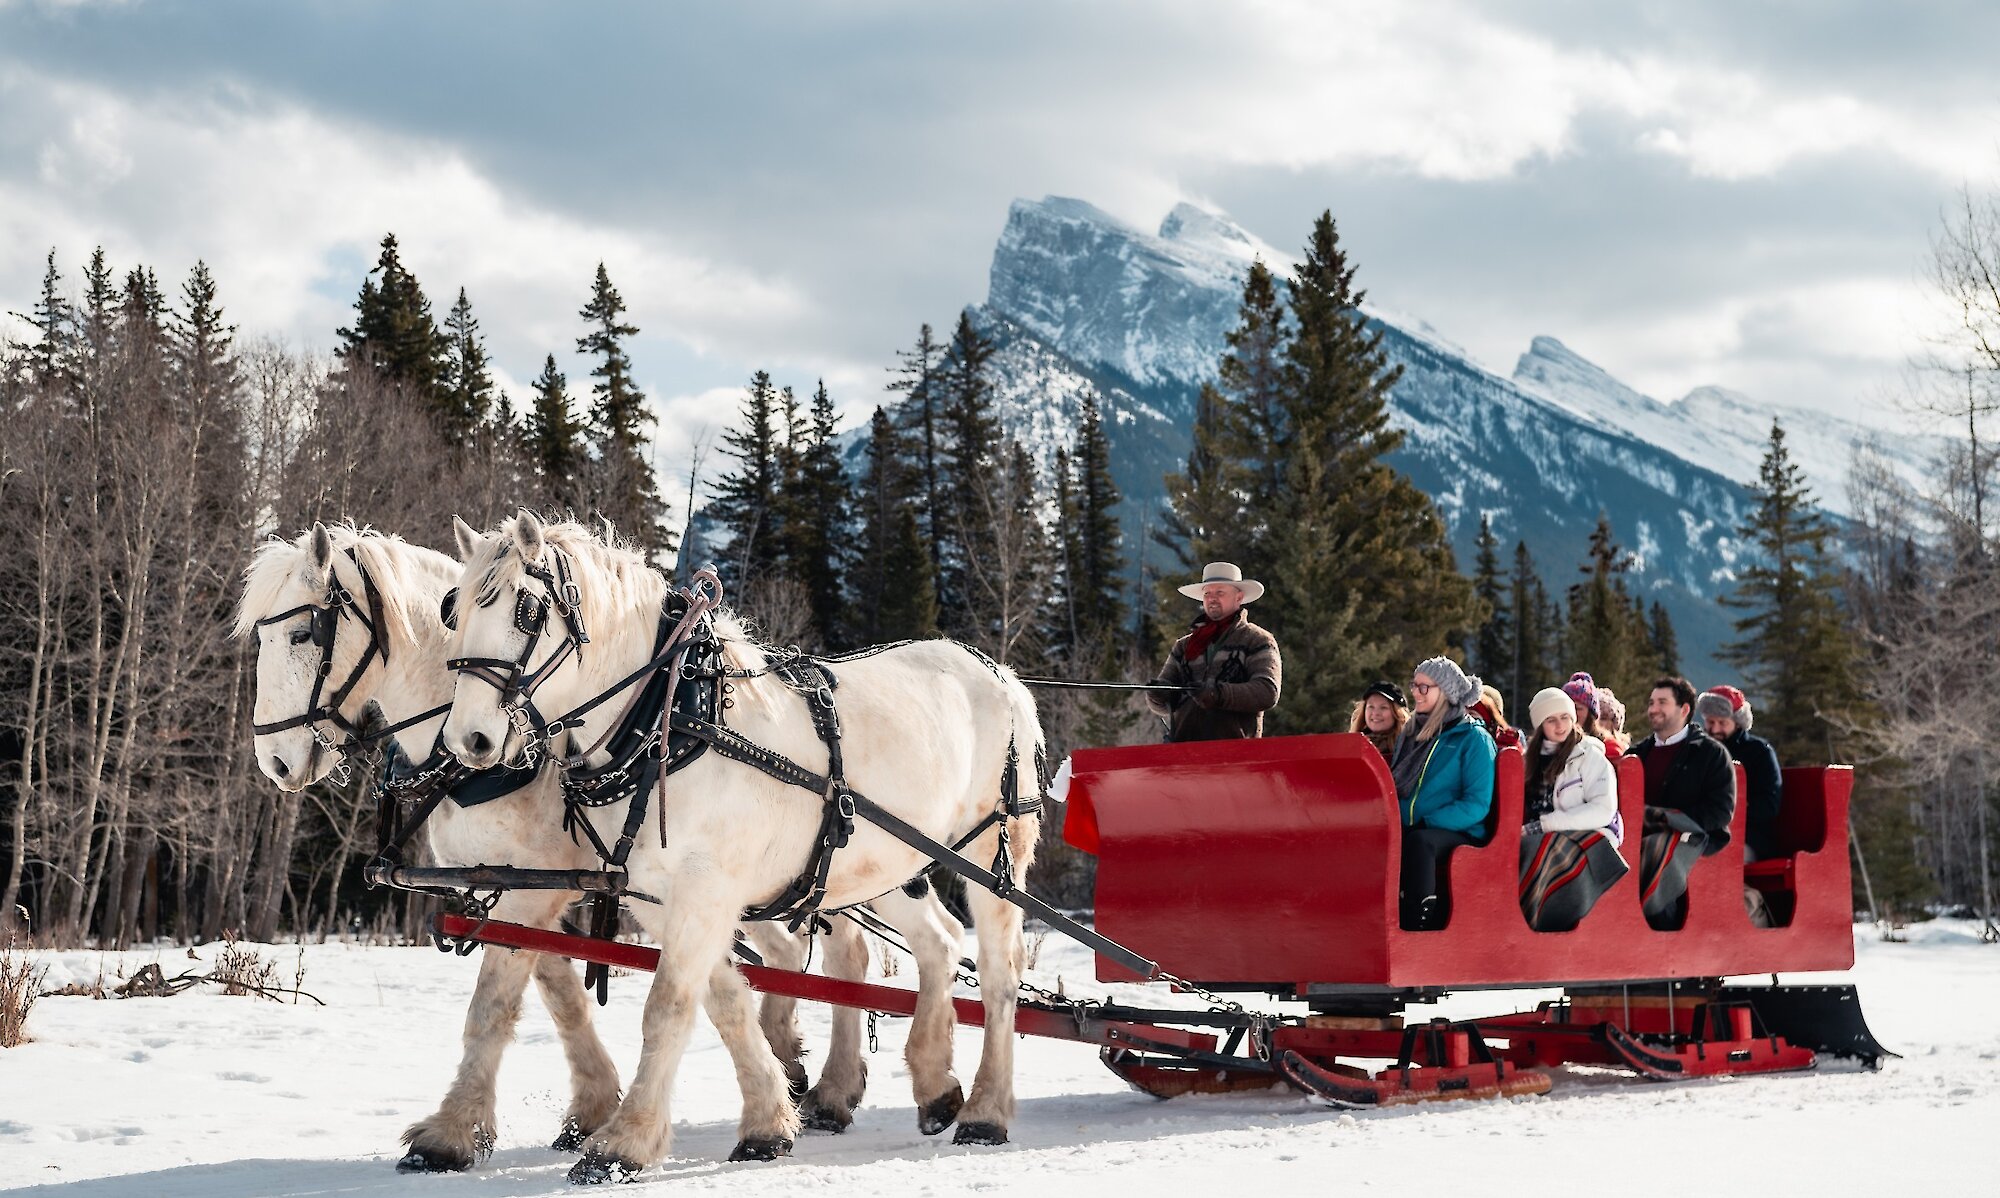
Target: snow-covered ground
<point>220,1097</point>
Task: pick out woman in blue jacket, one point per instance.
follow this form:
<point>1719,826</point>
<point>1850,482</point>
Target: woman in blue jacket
<point>1443,767</point>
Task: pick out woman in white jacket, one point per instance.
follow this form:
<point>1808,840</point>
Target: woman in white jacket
<point>1569,844</point>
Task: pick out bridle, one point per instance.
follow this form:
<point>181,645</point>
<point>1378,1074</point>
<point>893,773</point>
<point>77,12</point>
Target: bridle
<point>510,676</point>
<point>325,624</point>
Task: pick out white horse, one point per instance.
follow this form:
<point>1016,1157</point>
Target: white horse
<point>286,603</point>
<point>927,732</point>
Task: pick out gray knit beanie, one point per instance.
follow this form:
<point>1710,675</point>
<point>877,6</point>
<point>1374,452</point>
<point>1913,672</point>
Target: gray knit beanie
<point>1459,688</point>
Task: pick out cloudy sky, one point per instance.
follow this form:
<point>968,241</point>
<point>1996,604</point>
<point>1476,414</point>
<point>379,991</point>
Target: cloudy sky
<point>1694,192</point>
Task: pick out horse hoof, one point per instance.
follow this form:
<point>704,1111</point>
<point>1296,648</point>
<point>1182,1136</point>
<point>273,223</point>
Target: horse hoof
<point>820,1117</point>
<point>987,1134</point>
<point>433,1160</point>
<point>571,1138</point>
<point>596,1168</point>
<point>761,1150</point>
<point>940,1112</point>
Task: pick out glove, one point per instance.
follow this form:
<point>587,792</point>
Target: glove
<point>1533,827</point>
<point>1209,697</point>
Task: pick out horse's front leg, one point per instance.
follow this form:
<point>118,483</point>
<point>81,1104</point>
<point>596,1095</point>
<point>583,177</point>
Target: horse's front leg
<point>694,938</point>
<point>933,936</point>
<point>829,1106</point>
<point>778,1013</point>
<point>593,1078</point>
<point>770,1119</point>
<point>997,922</point>
<point>462,1129</point>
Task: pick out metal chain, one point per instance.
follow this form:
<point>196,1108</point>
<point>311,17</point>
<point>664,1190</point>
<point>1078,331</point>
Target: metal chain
<point>1259,1023</point>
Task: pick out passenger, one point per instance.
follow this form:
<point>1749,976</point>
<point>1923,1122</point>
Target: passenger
<point>1379,715</point>
<point>1690,799</point>
<point>1227,667</point>
<point>1569,842</point>
<point>1443,768</point>
<point>1491,711</point>
<point>1611,723</point>
<point>1727,716</point>
<point>1583,692</point>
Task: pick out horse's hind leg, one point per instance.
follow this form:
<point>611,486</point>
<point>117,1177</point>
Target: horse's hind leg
<point>593,1078</point>
<point>990,1110</point>
<point>778,1013</point>
<point>829,1106</point>
<point>932,935</point>
<point>461,1130</point>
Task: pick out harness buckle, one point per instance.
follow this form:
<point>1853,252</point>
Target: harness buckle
<point>325,667</point>
<point>572,597</point>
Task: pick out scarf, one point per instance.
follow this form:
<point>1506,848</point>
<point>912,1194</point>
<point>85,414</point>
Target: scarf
<point>1204,633</point>
<point>1413,752</point>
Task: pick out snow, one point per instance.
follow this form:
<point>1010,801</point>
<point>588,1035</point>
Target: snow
<point>224,1097</point>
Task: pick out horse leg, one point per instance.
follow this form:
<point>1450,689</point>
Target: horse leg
<point>461,1130</point>
<point>829,1106</point>
<point>593,1078</point>
<point>933,937</point>
<point>997,922</point>
<point>770,1120</point>
<point>694,938</point>
<point>777,1013</point>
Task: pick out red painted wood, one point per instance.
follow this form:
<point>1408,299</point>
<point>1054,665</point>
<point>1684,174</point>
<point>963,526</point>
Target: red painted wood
<point>1275,862</point>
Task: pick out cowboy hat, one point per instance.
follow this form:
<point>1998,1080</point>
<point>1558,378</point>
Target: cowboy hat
<point>1224,572</point>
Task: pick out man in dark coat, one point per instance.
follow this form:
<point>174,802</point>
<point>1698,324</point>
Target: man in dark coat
<point>1726,713</point>
<point>1228,669</point>
<point>1690,799</point>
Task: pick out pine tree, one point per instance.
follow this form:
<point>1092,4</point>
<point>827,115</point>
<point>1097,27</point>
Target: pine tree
<point>1660,633</point>
<point>1793,641</point>
<point>1363,577</point>
<point>1493,644</point>
<point>393,331</point>
<point>819,516</point>
<point>1091,586</point>
<point>203,352</point>
<point>969,534</point>
<point>52,358</point>
<point>1535,630</point>
<point>1602,635</point>
<point>895,595</point>
<point>467,395</point>
<point>1254,373</point>
<point>920,421</point>
<point>626,491</point>
<point>552,438</point>
<point>1203,521</point>
<point>100,300</point>
<point>747,498</point>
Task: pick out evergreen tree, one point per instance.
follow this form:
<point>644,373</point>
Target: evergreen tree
<point>1203,521</point>
<point>819,515</point>
<point>895,595</point>
<point>552,438</point>
<point>968,537</point>
<point>1793,640</point>
<point>1603,637</point>
<point>920,421</point>
<point>1364,580</point>
<point>52,357</point>
<point>467,395</point>
<point>1536,630</point>
<point>1666,646</point>
<point>1254,373</point>
<point>746,498</point>
<point>143,314</point>
<point>1090,589</point>
<point>1493,644</point>
<point>203,352</point>
<point>100,300</point>
<point>626,491</point>
<point>393,331</point>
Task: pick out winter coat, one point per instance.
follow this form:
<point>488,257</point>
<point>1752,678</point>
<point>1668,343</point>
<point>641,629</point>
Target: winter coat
<point>1585,795</point>
<point>1700,784</point>
<point>1765,787</point>
<point>1450,777</point>
<point>1243,667</point>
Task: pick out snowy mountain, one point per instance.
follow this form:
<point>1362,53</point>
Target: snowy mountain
<point>1721,428</point>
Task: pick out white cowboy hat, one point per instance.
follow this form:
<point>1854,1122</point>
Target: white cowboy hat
<point>1224,572</point>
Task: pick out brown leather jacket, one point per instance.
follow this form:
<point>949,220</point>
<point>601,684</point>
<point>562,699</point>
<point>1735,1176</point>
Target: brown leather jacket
<point>1242,668</point>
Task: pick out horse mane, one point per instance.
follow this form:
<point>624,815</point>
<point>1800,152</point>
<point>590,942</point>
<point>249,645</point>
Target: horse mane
<point>411,579</point>
<point>276,565</point>
<point>612,576</point>
<point>401,571</point>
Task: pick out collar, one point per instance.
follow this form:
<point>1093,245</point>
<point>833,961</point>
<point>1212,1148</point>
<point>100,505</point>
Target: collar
<point>1676,738</point>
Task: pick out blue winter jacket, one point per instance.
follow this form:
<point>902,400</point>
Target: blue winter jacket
<point>1454,778</point>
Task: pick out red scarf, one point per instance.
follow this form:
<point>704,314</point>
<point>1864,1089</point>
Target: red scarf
<point>1205,631</point>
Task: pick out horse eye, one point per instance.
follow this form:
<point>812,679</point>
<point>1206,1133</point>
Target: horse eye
<point>448,609</point>
<point>301,635</point>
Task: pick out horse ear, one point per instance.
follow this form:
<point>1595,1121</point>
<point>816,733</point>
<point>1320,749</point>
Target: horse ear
<point>528,536</point>
<point>322,551</point>
<point>466,536</point>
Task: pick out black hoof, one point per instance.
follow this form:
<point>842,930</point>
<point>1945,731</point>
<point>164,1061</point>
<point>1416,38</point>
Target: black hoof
<point>940,1112</point>
<point>820,1117</point>
<point>795,1075</point>
<point>596,1168</point>
<point>433,1160</point>
<point>987,1134</point>
<point>761,1150</point>
<point>571,1138</point>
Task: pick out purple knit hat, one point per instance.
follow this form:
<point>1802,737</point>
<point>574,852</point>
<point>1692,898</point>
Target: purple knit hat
<point>1583,690</point>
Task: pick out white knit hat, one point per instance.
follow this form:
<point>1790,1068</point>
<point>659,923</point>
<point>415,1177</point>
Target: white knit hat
<point>1550,700</point>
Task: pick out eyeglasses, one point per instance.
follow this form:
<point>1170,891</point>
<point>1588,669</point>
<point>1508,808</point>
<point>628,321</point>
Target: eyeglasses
<point>1422,688</point>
